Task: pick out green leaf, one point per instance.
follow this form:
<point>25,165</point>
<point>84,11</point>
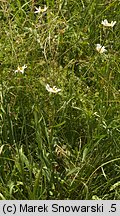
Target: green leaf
<point>85,152</point>
<point>113,187</point>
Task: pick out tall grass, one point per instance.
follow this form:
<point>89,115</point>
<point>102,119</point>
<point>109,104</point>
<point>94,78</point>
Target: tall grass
<point>64,145</point>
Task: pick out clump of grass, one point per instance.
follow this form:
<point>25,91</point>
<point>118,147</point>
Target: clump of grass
<point>65,144</point>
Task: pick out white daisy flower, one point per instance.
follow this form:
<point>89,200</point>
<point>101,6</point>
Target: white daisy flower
<point>100,49</point>
<point>105,23</point>
<point>40,10</point>
<point>52,90</point>
<point>20,69</point>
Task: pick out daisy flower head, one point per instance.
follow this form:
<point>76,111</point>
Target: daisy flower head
<point>20,69</point>
<point>52,90</point>
<point>41,10</point>
<point>100,49</point>
<point>105,23</point>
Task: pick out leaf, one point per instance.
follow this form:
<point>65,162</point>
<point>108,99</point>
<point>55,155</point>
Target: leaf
<point>2,197</point>
<point>95,197</point>
<point>74,170</point>
<point>1,148</point>
<point>58,125</point>
<point>113,187</point>
<point>36,184</point>
<point>84,154</point>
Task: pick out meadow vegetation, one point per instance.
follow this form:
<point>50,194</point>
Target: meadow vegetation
<point>61,144</point>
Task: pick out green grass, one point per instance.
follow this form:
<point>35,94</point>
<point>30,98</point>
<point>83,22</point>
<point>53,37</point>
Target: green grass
<point>64,145</point>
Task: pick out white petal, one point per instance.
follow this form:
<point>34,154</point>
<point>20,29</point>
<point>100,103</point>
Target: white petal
<point>113,23</point>
<point>48,87</point>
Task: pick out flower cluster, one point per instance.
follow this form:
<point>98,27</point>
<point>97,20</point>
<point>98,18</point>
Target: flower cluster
<point>105,23</point>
